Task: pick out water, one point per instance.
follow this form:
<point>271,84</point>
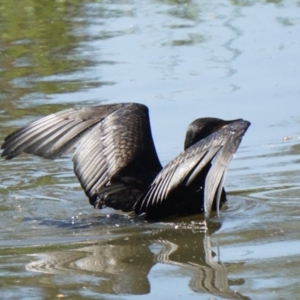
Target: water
<point>184,60</point>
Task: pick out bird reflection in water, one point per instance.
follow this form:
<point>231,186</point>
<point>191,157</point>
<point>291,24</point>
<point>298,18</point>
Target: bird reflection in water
<point>122,265</point>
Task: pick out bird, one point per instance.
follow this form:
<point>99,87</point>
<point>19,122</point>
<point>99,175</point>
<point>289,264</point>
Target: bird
<point>117,165</point>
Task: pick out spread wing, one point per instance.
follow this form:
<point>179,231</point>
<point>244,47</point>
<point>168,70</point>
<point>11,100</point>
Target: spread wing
<point>212,153</point>
<point>114,142</point>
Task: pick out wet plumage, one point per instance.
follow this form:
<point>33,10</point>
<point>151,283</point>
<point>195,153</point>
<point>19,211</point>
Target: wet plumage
<point>116,161</point>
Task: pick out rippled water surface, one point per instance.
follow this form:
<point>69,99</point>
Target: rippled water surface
<point>184,60</point>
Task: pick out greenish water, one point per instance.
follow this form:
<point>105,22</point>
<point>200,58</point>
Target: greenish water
<point>184,60</point>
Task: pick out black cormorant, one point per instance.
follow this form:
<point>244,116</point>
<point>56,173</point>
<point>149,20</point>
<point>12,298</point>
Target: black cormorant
<point>117,165</point>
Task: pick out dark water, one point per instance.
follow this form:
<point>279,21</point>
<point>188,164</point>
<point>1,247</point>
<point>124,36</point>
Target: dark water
<point>184,59</point>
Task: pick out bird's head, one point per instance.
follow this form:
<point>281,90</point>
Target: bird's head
<point>201,128</point>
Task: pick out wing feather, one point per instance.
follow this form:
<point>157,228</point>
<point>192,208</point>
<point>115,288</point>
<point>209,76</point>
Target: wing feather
<point>216,150</point>
<point>120,144</point>
<point>62,128</point>
<point>114,142</point>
